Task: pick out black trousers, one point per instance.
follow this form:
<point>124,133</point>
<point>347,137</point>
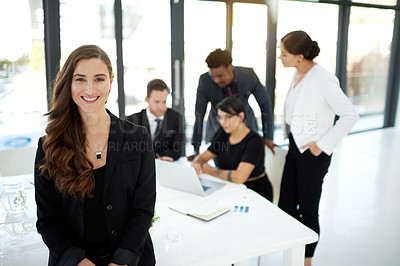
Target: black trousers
<point>301,187</point>
<point>262,186</point>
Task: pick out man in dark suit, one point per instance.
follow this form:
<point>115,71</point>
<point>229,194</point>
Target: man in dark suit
<point>224,80</point>
<point>165,125</point>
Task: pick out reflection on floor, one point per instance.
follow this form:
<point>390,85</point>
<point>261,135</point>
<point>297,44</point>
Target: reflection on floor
<point>359,212</point>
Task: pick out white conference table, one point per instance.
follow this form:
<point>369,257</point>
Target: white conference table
<point>228,239</point>
<point>231,238</point>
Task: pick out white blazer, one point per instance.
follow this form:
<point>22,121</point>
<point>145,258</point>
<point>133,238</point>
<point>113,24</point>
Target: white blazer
<point>319,99</point>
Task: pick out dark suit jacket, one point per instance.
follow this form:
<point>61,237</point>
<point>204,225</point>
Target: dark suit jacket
<point>209,92</point>
<point>129,198</point>
<point>171,142</point>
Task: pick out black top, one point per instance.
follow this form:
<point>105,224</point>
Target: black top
<point>96,236</point>
<point>250,150</point>
<point>129,191</point>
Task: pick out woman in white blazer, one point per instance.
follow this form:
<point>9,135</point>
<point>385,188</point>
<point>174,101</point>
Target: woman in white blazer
<point>313,100</point>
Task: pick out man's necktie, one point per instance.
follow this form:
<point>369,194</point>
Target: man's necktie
<point>157,132</point>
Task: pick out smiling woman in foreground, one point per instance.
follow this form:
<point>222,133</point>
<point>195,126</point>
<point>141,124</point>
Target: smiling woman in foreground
<point>94,173</point>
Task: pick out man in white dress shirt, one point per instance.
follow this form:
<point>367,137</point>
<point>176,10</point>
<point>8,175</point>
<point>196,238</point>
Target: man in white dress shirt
<point>165,125</point>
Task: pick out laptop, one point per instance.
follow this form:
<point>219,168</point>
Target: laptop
<point>184,178</point>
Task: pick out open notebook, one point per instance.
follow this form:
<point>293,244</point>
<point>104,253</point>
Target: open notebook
<point>199,207</point>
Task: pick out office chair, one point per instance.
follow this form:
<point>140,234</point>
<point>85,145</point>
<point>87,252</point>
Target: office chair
<point>18,161</point>
<point>274,168</point>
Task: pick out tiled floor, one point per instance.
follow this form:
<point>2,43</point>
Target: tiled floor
<point>359,210</point>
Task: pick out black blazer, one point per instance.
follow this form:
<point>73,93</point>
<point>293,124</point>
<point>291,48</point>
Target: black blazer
<point>129,198</point>
<point>171,142</point>
<point>209,92</point>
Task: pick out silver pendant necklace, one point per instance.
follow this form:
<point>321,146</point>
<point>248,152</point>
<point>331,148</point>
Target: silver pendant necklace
<point>98,154</point>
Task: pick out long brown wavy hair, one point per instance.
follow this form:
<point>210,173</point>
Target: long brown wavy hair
<point>64,144</point>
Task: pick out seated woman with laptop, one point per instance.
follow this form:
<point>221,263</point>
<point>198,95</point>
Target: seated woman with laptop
<point>238,152</point>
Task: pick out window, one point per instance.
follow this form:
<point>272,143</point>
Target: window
<point>23,99</point>
<point>205,30</point>
<point>250,37</point>
<point>90,22</point>
<point>377,2</point>
<point>370,36</point>
<point>146,48</point>
<point>296,16</point>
